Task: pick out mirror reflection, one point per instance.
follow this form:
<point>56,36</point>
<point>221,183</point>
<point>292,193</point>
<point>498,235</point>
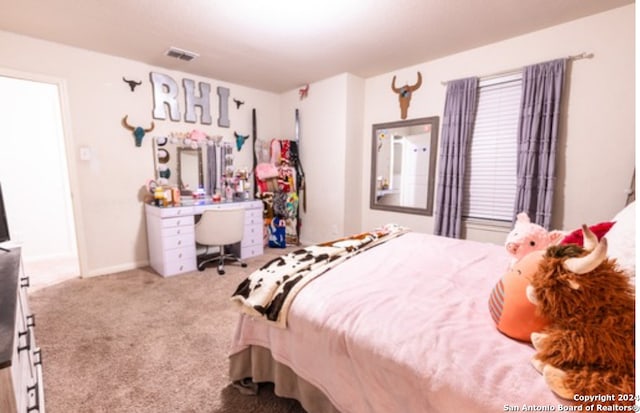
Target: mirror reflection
<point>180,165</point>
<point>403,165</point>
<point>189,169</point>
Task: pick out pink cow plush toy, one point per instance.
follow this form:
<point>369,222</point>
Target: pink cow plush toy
<point>527,236</point>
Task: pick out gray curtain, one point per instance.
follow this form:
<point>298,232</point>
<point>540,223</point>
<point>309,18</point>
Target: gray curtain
<point>537,139</point>
<point>457,127</point>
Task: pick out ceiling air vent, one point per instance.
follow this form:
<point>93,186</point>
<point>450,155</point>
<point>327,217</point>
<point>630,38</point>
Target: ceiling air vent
<point>181,54</point>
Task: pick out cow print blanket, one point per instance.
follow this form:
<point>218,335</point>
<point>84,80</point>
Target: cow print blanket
<point>268,292</point>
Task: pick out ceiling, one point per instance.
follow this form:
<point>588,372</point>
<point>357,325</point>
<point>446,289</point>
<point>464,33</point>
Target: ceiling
<point>280,45</point>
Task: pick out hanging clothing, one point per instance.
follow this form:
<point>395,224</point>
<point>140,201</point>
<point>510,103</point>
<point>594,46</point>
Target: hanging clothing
<point>277,186</point>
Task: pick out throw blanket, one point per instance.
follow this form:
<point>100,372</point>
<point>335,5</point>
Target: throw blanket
<point>269,291</point>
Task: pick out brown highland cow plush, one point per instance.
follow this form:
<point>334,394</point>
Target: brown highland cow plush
<point>589,346</point>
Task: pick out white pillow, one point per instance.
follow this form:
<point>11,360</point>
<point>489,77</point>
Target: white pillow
<point>622,240</point>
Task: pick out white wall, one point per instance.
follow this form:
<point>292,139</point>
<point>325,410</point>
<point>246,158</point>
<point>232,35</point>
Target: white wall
<point>323,147</point>
<point>354,169</point>
<point>108,188</point>
<point>597,150</point>
<point>331,123</point>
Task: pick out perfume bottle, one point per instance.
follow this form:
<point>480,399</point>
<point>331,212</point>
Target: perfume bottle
<point>228,192</point>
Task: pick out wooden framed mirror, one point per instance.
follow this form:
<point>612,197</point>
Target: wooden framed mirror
<point>403,165</point>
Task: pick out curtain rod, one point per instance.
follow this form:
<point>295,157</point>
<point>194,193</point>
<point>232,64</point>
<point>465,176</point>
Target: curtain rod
<point>580,56</point>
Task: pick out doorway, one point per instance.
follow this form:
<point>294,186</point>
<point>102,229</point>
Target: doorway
<point>35,181</point>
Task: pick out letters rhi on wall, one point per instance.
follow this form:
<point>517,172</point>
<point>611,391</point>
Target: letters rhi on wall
<point>165,96</point>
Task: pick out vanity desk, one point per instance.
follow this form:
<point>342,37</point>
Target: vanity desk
<point>171,234</point>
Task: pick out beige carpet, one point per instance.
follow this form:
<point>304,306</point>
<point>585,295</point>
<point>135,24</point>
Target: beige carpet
<point>137,342</point>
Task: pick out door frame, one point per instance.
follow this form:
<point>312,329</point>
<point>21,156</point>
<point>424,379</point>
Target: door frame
<point>69,146</point>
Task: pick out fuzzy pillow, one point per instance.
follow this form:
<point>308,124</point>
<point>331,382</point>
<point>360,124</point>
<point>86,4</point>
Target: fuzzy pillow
<point>622,240</point>
<point>515,316</point>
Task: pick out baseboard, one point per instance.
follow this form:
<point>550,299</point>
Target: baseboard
<point>116,268</point>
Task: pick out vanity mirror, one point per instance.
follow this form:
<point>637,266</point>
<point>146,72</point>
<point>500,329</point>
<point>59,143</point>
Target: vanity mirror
<point>190,165</point>
<point>181,166</point>
<point>189,168</point>
<point>403,161</point>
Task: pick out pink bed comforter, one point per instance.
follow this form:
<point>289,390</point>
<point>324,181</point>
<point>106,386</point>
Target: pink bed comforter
<point>405,328</point>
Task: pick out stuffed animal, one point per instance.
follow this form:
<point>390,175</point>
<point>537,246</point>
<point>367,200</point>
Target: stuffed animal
<point>588,347</point>
<point>527,236</point>
<point>515,316</point>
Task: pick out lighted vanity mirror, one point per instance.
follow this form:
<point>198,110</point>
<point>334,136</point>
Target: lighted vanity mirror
<point>403,161</point>
<point>189,168</point>
<point>182,166</point>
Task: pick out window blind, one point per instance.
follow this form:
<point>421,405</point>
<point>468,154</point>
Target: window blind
<point>490,174</point>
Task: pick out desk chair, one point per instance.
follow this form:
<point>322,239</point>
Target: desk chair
<point>219,228</point>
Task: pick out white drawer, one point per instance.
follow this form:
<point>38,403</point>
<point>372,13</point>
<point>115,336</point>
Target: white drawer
<point>176,212</point>
<point>179,266</point>
<point>180,230</point>
<point>39,389</point>
<point>253,216</point>
<point>253,228</point>
<point>252,251</point>
<point>179,241</point>
<point>168,212</point>
<point>178,255</point>
<point>199,209</point>
<point>177,222</point>
<point>18,372</point>
<point>252,236</point>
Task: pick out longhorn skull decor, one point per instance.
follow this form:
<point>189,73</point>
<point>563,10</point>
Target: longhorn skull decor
<point>138,131</point>
<point>404,94</point>
<point>304,92</point>
<point>132,83</point>
<point>238,103</point>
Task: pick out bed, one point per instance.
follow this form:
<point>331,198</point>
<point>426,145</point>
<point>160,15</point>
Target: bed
<point>401,327</point>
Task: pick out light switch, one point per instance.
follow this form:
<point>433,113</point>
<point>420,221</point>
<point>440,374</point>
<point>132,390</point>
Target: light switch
<point>85,153</point>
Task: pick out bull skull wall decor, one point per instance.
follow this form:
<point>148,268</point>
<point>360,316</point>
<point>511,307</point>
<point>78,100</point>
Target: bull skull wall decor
<point>404,94</point>
<point>132,83</point>
<point>304,92</point>
<point>138,131</point>
<point>240,139</point>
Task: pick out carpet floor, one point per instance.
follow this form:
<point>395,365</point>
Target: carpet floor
<point>137,342</point>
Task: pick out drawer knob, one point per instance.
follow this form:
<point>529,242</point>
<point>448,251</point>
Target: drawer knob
<point>31,320</point>
<point>24,282</point>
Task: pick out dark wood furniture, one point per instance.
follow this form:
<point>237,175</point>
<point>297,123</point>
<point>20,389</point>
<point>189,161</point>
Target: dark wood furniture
<point>21,385</point>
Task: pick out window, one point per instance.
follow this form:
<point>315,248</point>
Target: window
<point>490,174</point>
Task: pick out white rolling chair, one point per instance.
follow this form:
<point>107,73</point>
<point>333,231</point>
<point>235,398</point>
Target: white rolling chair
<point>219,228</point>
